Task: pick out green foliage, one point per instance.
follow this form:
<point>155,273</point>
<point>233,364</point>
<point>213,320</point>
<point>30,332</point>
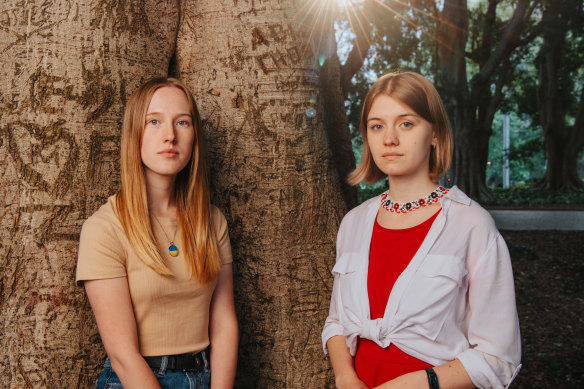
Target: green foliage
<point>528,195</point>
<point>365,191</point>
<point>526,156</point>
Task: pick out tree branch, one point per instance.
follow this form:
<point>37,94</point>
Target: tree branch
<point>361,26</point>
<point>508,42</point>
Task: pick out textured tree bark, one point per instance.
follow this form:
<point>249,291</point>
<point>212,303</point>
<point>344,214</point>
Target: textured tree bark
<point>337,127</point>
<point>66,69</point>
<point>255,76</point>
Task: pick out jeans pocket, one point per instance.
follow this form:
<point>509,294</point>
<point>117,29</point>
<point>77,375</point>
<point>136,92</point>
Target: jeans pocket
<point>205,376</point>
<point>113,382</point>
<point>108,379</point>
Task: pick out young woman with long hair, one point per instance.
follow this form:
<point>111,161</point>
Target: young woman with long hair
<point>155,260</point>
<point>423,293</point>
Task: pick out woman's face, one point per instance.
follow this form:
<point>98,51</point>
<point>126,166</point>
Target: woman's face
<point>399,139</point>
<point>167,141</point>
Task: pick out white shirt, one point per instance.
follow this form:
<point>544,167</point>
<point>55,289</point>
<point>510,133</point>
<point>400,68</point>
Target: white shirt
<point>455,299</point>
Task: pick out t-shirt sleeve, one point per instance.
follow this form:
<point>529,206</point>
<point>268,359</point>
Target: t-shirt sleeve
<point>223,243</point>
<point>101,254</point>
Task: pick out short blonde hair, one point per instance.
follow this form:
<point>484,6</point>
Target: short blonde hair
<point>415,91</point>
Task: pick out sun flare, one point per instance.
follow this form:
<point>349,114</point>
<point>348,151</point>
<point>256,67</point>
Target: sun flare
<point>343,3</point>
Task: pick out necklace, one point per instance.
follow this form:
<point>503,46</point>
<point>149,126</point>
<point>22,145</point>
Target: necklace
<point>172,249</point>
<point>391,206</point>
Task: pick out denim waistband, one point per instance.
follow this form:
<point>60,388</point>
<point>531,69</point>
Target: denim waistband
<point>164,363</point>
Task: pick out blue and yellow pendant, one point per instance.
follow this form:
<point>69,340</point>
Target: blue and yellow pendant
<point>172,250</point>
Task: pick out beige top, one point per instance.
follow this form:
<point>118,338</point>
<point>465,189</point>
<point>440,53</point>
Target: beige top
<point>172,312</point>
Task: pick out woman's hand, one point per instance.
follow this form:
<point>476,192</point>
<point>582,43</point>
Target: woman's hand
<point>349,381</point>
<point>343,366</point>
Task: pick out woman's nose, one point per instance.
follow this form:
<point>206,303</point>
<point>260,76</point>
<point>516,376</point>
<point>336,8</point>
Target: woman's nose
<point>169,134</point>
<point>390,137</point>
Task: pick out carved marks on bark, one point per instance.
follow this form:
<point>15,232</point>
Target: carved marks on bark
<point>285,55</point>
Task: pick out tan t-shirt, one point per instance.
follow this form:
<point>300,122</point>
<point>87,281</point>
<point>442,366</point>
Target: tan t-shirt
<point>172,312</point>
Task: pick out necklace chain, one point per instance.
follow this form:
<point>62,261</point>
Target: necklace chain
<point>431,198</point>
<point>172,249</point>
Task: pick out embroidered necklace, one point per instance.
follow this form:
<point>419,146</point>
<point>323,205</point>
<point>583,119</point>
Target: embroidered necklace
<point>172,249</point>
<point>391,206</point>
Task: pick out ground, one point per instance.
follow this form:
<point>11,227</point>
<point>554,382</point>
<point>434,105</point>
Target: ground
<point>549,267</point>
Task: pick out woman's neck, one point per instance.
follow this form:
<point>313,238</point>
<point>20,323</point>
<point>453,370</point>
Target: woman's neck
<point>404,189</point>
<point>161,199</point>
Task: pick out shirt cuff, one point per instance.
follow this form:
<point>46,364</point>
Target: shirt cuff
<point>485,375</point>
<point>330,330</point>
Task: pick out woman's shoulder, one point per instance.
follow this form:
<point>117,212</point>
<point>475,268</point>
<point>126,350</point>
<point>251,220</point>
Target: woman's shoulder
<point>218,219</point>
<point>217,215</point>
<point>466,211</point>
<point>361,212</point>
<point>365,207</point>
<point>104,218</point>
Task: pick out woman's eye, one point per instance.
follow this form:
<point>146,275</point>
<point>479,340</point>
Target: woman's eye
<point>376,127</point>
<point>182,123</point>
<point>407,124</point>
<point>154,122</point>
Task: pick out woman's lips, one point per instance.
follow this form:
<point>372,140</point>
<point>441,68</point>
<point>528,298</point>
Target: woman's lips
<point>168,153</point>
<point>391,156</point>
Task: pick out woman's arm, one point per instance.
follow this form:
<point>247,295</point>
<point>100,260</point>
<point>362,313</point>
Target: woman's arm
<point>342,361</point>
<point>223,332</point>
<point>112,307</point>
<point>451,375</point>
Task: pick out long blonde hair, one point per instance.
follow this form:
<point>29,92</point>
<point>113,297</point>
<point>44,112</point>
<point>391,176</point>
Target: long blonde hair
<point>191,191</point>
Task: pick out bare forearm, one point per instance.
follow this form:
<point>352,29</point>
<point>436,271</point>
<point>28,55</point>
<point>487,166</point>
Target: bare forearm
<point>134,372</point>
<point>451,375</point>
<point>342,362</point>
<point>112,306</point>
<point>224,342</point>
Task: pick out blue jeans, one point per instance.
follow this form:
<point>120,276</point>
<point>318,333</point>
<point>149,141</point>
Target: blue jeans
<point>168,379</point>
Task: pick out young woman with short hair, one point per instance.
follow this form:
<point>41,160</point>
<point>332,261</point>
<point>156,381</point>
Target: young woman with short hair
<point>423,293</point>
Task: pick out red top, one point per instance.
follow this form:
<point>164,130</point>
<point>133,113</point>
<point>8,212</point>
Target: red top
<point>390,253</point>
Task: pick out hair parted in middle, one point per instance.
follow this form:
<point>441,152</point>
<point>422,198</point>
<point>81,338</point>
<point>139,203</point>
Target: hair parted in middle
<point>191,191</point>
<point>415,91</point>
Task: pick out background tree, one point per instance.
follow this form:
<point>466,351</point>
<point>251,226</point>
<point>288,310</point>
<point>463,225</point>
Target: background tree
<point>560,92</point>
<point>67,69</point>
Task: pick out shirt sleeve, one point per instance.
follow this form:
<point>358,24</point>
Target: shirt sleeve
<point>493,359</point>
<point>223,242</point>
<point>101,254</point>
<point>332,324</point>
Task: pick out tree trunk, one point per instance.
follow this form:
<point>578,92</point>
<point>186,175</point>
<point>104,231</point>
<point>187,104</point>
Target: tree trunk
<point>337,127</point>
<point>66,69</point>
<point>453,86</point>
<point>562,143</point>
<point>471,106</point>
<point>255,77</point>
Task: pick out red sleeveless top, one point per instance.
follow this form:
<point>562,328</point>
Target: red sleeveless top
<point>390,253</point>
